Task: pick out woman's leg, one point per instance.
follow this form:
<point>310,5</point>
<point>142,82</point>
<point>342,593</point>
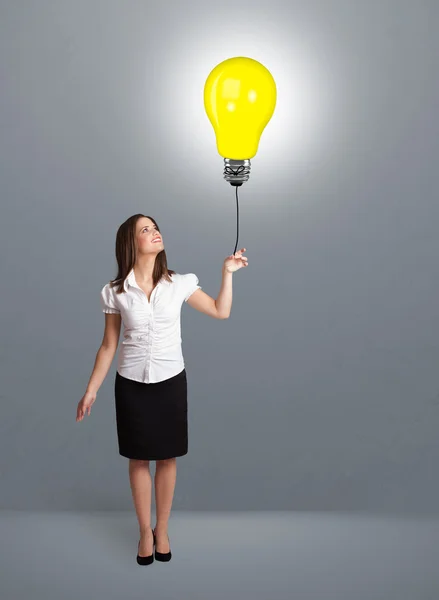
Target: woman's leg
<point>140,483</point>
<point>164,480</point>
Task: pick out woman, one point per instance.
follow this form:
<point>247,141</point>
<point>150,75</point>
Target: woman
<point>151,385</point>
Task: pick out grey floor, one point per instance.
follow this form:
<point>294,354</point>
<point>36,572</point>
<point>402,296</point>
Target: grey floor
<point>249,555</point>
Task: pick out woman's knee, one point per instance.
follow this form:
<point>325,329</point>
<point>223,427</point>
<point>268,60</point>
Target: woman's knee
<point>165,461</point>
<point>138,462</point>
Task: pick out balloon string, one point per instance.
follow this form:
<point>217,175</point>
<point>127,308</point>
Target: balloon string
<point>237,219</point>
<point>228,170</point>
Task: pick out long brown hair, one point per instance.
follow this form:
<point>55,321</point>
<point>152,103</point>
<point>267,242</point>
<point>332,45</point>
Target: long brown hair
<point>126,254</point>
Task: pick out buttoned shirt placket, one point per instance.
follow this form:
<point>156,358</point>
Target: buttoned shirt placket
<point>149,325</point>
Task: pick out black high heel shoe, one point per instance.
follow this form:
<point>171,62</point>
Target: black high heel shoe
<point>145,560</point>
<point>162,556</point>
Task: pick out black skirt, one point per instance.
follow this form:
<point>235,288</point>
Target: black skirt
<point>151,418</point>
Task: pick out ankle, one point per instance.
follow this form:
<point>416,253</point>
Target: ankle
<point>145,530</point>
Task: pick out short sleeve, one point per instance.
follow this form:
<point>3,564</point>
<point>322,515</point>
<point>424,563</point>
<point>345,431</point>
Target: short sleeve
<point>191,285</point>
<point>107,300</point>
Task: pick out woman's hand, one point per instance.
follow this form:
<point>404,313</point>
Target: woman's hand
<point>235,261</point>
<point>85,405</point>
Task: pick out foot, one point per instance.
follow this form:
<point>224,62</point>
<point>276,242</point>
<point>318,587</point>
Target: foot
<point>146,546</point>
<point>161,541</point>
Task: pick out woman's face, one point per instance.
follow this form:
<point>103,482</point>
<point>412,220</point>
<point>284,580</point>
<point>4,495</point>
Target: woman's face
<point>147,231</point>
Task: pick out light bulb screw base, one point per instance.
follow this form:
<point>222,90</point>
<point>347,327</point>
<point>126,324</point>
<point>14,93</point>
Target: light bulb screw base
<point>236,172</point>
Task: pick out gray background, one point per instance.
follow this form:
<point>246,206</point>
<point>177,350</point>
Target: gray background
<point>321,390</point>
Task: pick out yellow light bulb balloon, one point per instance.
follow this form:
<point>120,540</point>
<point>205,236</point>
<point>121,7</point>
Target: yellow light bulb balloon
<point>239,99</point>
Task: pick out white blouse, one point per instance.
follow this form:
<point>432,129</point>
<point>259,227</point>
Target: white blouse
<point>151,349</point>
